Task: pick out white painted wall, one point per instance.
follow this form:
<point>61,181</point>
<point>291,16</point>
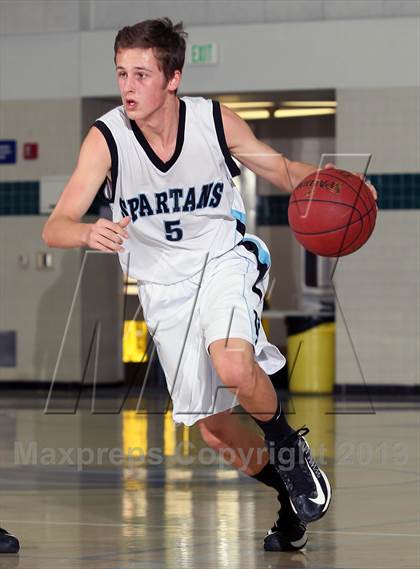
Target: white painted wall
<point>19,17</point>
<point>54,124</point>
<point>36,303</point>
<point>379,285</point>
<point>371,53</point>
<point>49,16</point>
<point>43,66</point>
<point>309,55</point>
<point>383,122</point>
<point>379,290</point>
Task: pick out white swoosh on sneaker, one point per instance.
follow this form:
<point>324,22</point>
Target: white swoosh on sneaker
<point>320,498</point>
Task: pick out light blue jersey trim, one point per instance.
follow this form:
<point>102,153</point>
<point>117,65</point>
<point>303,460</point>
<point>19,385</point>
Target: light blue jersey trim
<point>263,255</point>
<point>238,215</point>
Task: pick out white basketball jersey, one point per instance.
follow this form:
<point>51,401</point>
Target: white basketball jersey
<point>184,212</point>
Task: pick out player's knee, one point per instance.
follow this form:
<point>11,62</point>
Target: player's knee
<point>238,372</point>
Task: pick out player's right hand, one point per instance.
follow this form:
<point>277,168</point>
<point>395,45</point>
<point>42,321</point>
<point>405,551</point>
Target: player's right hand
<point>105,235</point>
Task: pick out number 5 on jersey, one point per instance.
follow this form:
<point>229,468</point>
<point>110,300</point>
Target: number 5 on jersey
<point>173,233</point>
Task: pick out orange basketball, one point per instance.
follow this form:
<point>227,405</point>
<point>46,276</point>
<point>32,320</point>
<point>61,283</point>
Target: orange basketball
<point>332,212</point>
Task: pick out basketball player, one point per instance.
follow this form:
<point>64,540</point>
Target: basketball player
<point>179,228</point>
<point>8,543</point>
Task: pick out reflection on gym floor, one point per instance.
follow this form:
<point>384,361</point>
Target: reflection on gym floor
<point>134,490</point>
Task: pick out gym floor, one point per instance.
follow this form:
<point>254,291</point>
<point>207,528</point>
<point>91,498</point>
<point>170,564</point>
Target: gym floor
<point>106,506</point>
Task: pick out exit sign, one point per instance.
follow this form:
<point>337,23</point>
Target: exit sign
<point>203,54</point>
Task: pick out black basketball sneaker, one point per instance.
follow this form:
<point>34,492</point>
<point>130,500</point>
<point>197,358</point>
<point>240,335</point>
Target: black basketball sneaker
<point>287,534</point>
<point>307,485</point>
<point>8,543</point>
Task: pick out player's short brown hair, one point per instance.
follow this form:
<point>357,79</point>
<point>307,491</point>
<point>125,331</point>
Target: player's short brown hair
<point>166,40</point>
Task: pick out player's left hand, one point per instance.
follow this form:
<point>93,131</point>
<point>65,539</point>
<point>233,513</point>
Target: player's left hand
<point>362,177</point>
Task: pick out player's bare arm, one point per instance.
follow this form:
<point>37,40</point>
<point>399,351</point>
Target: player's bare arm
<point>264,160</point>
<point>64,227</point>
<point>259,157</point>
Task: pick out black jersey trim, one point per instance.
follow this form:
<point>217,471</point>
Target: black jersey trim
<point>262,267</point>
<point>112,146</point>
<point>151,154</point>
<point>262,270</point>
<point>257,325</point>
<point>240,227</point>
<point>218,123</point>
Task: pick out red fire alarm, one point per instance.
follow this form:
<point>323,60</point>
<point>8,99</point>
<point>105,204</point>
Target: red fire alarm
<point>30,151</point>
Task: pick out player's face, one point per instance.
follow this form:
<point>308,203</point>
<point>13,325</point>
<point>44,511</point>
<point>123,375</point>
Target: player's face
<point>142,84</point>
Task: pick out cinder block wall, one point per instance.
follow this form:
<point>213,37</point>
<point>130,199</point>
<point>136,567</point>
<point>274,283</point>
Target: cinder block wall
<point>378,287</point>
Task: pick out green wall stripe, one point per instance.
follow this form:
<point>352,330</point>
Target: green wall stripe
<point>22,198</point>
<point>395,191</point>
<point>19,198</point>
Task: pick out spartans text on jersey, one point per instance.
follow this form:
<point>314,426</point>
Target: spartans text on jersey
<point>172,200</point>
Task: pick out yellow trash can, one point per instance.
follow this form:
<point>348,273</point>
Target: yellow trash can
<point>135,341</point>
<point>311,354</point>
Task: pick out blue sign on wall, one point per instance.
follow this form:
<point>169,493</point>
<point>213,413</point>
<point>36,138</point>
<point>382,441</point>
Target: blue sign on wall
<point>7,151</point>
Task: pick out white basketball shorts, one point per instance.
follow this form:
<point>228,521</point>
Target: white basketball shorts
<point>225,300</point>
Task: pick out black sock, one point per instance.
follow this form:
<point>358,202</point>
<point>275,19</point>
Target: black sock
<point>270,477</point>
<point>276,427</point>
